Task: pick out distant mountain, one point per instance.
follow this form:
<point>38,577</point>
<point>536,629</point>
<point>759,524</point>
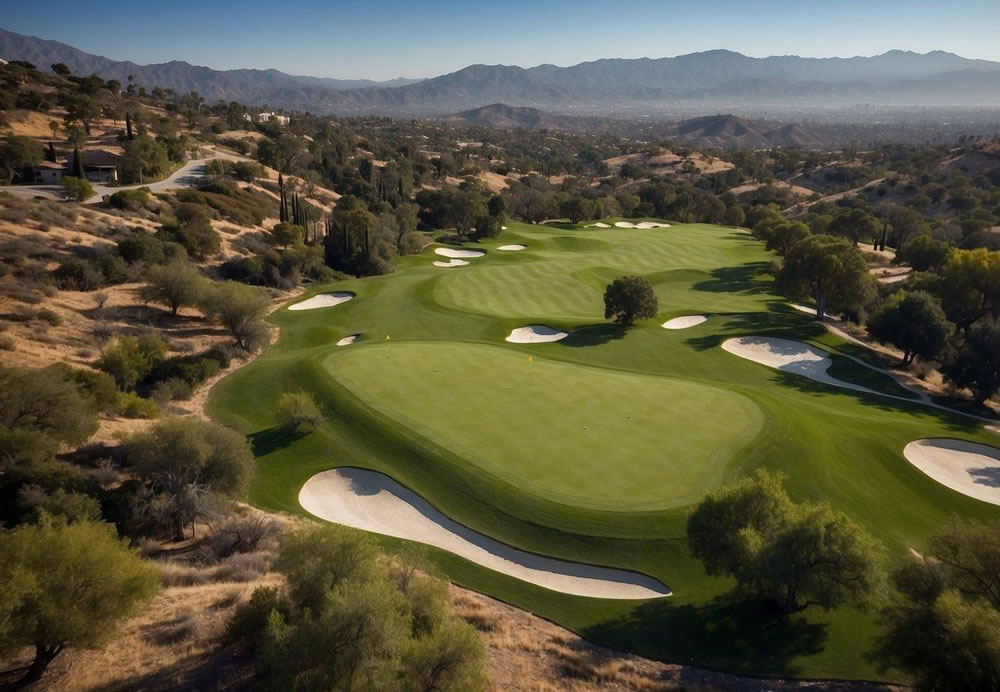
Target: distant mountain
<point>713,80</point>
<point>730,132</point>
<point>248,86</point>
<point>500,115</point>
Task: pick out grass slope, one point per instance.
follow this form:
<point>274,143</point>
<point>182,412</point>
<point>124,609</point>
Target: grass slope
<point>440,408</point>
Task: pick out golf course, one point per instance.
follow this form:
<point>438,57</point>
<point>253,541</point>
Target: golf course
<point>477,402</point>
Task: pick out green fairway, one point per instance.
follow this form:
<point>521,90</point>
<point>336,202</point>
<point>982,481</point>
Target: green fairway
<point>596,449</point>
<point>614,440</point>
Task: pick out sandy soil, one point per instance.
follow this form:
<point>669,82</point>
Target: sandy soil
<point>535,334</point>
<point>457,254</point>
<point>374,502</point>
<point>971,469</point>
<point>599,224</point>
<point>348,340</point>
<point>323,300</point>
<point>788,356</point>
<point>684,322</point>
<point>450,263</point>
<point>516,247</point>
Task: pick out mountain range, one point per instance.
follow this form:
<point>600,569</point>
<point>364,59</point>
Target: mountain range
<point>711,79</point>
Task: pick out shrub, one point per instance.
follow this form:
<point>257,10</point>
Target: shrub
<point>132,358</point>
<point>132,200</point>
<point>78,189</point>
<point>298,410</point>
<point>131,405</point>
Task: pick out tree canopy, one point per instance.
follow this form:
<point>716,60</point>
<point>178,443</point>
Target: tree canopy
<point>629,298</point>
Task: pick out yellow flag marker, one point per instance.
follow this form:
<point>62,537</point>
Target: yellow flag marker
<point>530,359</point>
<point>387,338</point>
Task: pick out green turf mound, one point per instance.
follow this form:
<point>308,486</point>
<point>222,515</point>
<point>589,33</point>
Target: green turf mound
<point>586,436</point>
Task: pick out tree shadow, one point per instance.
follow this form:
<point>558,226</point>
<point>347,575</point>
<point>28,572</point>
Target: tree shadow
<point>271,440</point>
<point>738,279</point>
<point>731,632</point>
<point>595,335</point>
<point>988,476</point>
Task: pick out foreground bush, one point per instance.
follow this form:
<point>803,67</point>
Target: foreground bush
<point>298,410</point>
<point>77,189</point>
<point>67,585</point>
<point>352,619</point>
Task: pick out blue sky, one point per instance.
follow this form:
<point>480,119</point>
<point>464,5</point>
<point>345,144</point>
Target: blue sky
<point>381,39</point>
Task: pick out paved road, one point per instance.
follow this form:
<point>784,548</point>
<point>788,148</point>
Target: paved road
<point>185,176</point>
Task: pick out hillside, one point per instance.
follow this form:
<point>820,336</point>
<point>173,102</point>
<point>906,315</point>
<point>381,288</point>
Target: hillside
<point>503,116</point>
<point>730,132</point>
<point>706,79</point>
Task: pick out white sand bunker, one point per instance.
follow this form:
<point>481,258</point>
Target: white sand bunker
<point>459,254</point>
<point>450,263</point>
<point>971,469</point>
<point>684,322</point>
<point>641,224</point>
<point>598,225</point>
<point>535,334</point>
<point>323,300</point>
<point>789,356</point>
<point>516,247</point>
<point>374,502</point>
<point>348,340</point>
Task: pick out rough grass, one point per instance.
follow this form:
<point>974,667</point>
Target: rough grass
<point>834,445</point>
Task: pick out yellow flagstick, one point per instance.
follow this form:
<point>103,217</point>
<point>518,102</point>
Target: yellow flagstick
<point>387,340</point>
<point>531,359</point>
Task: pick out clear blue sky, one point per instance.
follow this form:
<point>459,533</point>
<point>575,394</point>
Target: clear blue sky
<point>416,38</point>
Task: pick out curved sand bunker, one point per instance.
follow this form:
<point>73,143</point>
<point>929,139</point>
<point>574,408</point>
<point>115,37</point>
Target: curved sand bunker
<point>457,254</point>
<point>971,469</point>
<point>515,247</point>
<point>598,225</point>
<point>323,300</point>
<point>450,263</point>
<point>374,502</point>
<point>535,334</point>
<point>684,322</point>
<point>789,356</point>
<point>348,340</point>
<point>641,224</point>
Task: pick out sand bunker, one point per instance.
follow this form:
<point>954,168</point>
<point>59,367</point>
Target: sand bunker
<point>971,469</point>
<point>598,225</point>
<point>452,252</point>
<point>348,340</point>
<point>374,502</point>
<point>789,356</point>
<point>535,334</point>
<point>323,300</point>
<point>516,247</point>
<point>684,322</point>
<point>641,224</point>
<point>451,263</point>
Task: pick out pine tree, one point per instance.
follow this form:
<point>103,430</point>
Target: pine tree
<point>77,168</point>
<point>51,154</point>
<point>128,126</point>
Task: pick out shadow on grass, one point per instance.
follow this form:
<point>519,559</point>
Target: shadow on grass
<point>739,279</point>
<point>731,633</point>
<point>594,335</point>
<point>270,440</point>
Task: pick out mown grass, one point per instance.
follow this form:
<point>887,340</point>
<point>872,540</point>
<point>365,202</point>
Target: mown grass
<point>397,407</point>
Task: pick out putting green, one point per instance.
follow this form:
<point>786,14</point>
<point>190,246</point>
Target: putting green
<point>580,435</point>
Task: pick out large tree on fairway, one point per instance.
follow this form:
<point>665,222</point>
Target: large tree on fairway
<point>796,555</point>
<point>831,271</point>
<point>629,298</point>
<point>976,362</point>
<point>914,322</point>
<point>67,585</point>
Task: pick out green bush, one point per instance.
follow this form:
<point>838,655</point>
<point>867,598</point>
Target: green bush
<point>78,189</point>
<point>132,200</point>
<point>131,405</point>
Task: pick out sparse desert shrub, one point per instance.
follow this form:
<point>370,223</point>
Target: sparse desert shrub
<point>298,411</point>
<point>50,316</point>
<point>131,405</point>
